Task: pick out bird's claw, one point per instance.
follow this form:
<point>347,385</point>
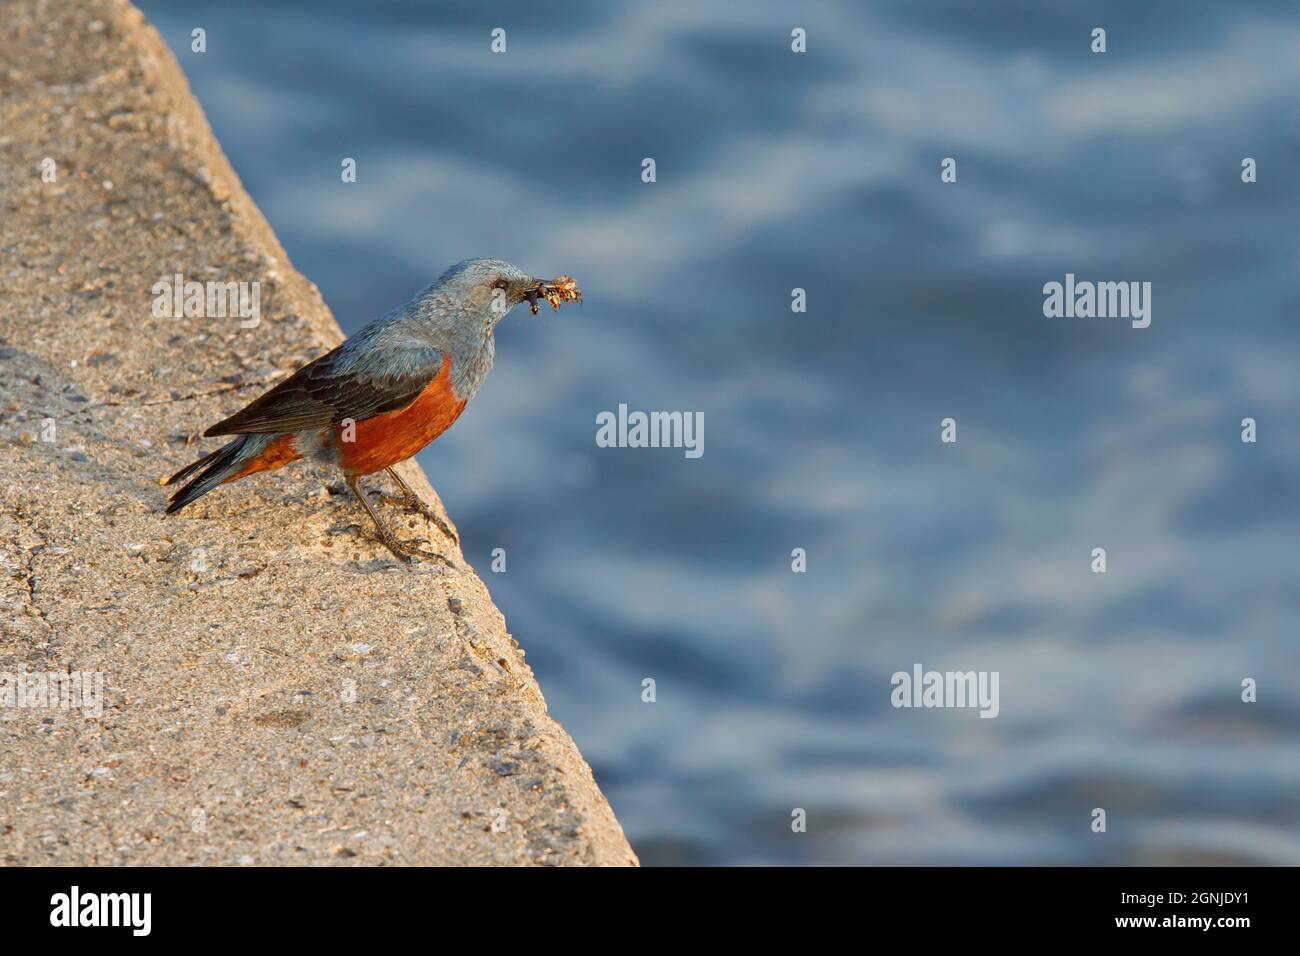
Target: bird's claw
<point>407,551</point>
<point>417,504</point>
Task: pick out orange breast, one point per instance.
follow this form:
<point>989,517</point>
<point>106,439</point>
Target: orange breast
<point>397,435</point>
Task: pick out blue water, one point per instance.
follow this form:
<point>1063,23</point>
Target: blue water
<point>821,171</point>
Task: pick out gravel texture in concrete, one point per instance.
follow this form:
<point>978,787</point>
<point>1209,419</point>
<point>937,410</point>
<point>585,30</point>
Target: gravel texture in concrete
<point>276,689</point>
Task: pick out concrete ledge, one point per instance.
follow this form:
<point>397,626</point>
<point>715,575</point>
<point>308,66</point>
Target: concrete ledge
<point>277,689</point>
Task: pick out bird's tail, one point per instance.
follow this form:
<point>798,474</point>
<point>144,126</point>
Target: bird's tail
<point>233,460</point>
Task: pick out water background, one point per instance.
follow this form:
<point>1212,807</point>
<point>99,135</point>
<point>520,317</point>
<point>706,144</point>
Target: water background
<point>821,171</point>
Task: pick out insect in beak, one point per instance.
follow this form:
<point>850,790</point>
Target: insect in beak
<point>555,291</point>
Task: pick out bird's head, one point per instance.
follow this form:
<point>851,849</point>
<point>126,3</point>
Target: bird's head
<point>492,287</point>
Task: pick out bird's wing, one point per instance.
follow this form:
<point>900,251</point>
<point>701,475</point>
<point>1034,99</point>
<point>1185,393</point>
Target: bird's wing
<point>335,387</point>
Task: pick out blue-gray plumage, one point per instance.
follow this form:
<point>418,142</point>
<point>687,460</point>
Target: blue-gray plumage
<point>383,394</point>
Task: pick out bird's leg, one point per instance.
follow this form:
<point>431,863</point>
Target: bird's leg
<point>409,499</point>
<point>404,551</point>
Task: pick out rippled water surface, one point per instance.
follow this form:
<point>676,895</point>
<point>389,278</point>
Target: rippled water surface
<point>821,171</point>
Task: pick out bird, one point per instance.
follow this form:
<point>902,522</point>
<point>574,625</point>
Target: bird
<point>382,395</point>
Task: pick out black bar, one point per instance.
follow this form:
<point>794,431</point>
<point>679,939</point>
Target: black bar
<point>298,906</point>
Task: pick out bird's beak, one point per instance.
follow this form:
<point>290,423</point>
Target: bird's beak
<point>533,294</point>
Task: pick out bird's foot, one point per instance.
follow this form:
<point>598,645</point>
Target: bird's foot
<point>410,550</point>
<point>404,551</point>
<point>416,503</point>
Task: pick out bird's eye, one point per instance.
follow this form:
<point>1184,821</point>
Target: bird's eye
<point>501,284</point>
